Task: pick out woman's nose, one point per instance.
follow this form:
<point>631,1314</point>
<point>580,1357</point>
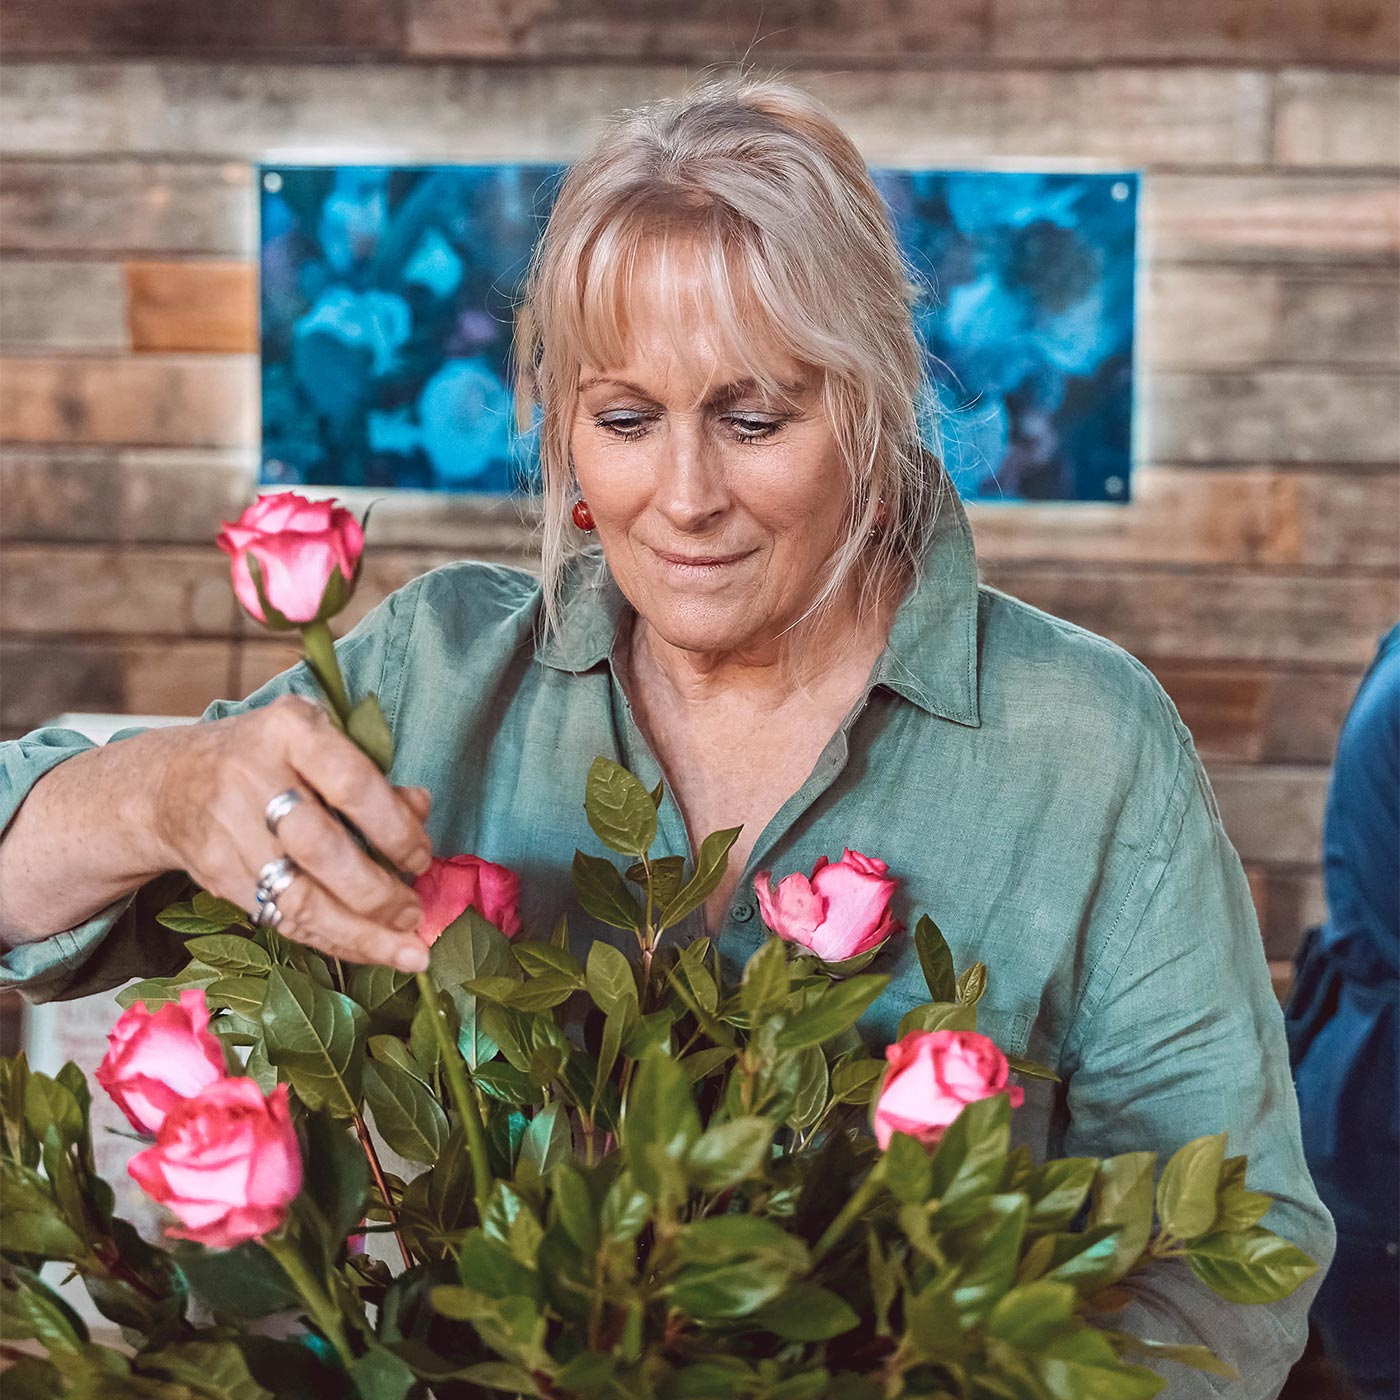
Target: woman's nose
<point>691,491</point>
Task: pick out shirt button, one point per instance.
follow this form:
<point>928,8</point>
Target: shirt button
<point>742,912</point>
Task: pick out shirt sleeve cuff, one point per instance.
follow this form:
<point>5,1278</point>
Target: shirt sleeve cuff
<point>44,969</point>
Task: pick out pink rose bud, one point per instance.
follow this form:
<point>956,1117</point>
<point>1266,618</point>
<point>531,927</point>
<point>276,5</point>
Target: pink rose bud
<point>157,1059</point>
<point>308,553</point>
<point>933,1076</point>
<point>452,885</point>
<point>226,1163</point>
<point>841,912</point>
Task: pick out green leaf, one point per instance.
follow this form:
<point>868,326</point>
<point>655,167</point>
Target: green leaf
<point>626,1209</point>
<point>603,893</point>
<point>855,1081</point>
<point>835,1011</point>
<point>709,870</point>
<point>29,1219</point>
<point>1031,1316</point>
<point>1198,1358</point>
<point>546,1143</point>
<point>541,958</point>
<point>970,1155</point>
<point>46,1102</point>
<point>765,984</point>
<point>470,947</point>
<point>246,1280</point>
<point>184,918</point>
<point>619,808</point>
<point>1249,1266</point>
<point>659,1126</point>
<point>316,1037</point>
<point>229,952</point>
<point>1123,1198</point>
<point>728,1153</point>
<point>367,726</point>
<point>813,1089</point>
<point>379,1374</point>
<point>505,1082</point>
<point>244,995</point>
<point>380,991</point>
<point>573,1205</point>
<point>610,980</point>
<point>1083,1366</point>
<point>337,1176</point>
<point>908,1171</point>
<point>935,959</point>
<point>409,1118</point>
<point>806,1312</point>
<point>1237,1208</point>
<point>216,910</point>
<point>937,1016</point>
<point>1187,1190</point>
<point>1031,1069</point>
<point>155,992</point>
<point>972,984</point>
<point>988,1253</point>
<point>704,1063</point>
<point>1057,1191</point>
<point>208,1368</point>
<point>667,876</point>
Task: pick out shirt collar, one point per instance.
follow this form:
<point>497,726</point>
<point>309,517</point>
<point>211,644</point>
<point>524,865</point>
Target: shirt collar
<point>930,658</point>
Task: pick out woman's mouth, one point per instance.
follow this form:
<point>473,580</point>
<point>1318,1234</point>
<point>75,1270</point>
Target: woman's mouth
<point>699,566</point>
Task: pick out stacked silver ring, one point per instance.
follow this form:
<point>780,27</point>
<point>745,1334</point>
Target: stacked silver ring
<point>273,879</point>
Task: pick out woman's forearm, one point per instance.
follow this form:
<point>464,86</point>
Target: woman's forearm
<point>84,836</point>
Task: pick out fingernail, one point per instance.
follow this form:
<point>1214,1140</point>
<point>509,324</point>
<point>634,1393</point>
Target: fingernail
<point>411,957</point>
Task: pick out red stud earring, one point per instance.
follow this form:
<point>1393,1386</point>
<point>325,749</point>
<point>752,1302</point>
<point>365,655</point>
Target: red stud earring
<point>882,515</point>
<point>583,517</point>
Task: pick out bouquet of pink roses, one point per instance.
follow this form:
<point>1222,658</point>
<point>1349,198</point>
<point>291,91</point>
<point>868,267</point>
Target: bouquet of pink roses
<point>637,1179</point>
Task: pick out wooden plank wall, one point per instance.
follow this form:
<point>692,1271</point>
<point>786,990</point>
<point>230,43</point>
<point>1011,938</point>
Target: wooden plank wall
<point>1253,572</point>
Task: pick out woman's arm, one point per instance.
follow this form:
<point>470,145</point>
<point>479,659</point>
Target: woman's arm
<point>1179,1035</point>
<point>96,841</point>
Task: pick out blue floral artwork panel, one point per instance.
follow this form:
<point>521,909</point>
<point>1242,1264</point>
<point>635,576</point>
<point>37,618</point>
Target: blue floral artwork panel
<point>388,294</point>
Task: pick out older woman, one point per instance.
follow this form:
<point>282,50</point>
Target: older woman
<point>783,621</point>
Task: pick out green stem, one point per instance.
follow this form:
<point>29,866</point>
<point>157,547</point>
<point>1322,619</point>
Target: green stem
<point>319,1307</point>
<point>320,654</point>
<point>850,1212</point>
<point>461,1094</point>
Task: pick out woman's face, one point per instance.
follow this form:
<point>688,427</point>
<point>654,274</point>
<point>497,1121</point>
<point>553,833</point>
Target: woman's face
<point>718,509</point>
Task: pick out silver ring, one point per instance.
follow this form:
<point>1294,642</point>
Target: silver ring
<point>279,806</point>
<point>273,879</point>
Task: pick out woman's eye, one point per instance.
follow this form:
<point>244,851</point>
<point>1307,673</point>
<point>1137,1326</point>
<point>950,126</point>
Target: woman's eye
<point>628,427</point>
<point>754,429</point>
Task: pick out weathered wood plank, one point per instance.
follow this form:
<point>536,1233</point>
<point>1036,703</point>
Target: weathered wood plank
<point>845,30</point>
<point>1305,217</point>
<point>46,676</point>
<point>118,206</point>
<point>553,111</point>
<point>1337,118</point>
<point>1187,516</point>
<point>110,590</point>
<point>196,401</point>
<point>1289,415</point>
<point>61,306</point>
<point>154,495</point>
<point>1215,615</point>
<point>1259,318</point>
<point>1223,31</point>
<point>193,306</point>
<point>253,29</point>
<point>1272,812</point>
<point>1259,714</point>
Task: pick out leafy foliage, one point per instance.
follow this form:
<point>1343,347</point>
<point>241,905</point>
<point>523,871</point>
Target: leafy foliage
<point>683,1196</point>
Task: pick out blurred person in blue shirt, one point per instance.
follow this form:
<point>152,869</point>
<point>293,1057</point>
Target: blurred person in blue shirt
<point>1343,1041</point>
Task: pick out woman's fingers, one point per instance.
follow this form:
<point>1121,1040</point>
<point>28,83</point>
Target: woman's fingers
<point>311,914</point>
<point>324,849</point>
<point>349,781</point>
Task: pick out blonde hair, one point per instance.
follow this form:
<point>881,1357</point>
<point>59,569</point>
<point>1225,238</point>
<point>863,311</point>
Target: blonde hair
<point>756,176</point>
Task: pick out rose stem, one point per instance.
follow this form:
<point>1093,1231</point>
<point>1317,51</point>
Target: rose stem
<point>463,1099</point>
<point>372,1157</point>
<point>320,654</point>
<point>318,1304</point>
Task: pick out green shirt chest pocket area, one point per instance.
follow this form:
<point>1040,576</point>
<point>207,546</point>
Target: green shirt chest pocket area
<point>1003,1019</point>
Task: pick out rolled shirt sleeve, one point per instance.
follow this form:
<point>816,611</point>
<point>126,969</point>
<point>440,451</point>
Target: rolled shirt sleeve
<point>123,941</point>
<point>1180,1035</point>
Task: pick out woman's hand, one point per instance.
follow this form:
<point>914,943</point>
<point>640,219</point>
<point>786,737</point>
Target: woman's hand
<point>209,820</point>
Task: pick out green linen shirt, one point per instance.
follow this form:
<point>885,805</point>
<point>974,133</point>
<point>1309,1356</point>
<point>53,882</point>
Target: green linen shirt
<point>1030,784</point>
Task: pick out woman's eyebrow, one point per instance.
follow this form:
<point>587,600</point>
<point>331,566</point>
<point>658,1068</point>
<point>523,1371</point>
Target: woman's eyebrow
<point>722,397</point>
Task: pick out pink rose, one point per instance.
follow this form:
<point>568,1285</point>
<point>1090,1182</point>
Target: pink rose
<point>157,1059</point>
<point>226,1163</point>
<point>452,885</point>
<point>307,551</point>
<point>841,912</point>
<point>933,1076</point>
